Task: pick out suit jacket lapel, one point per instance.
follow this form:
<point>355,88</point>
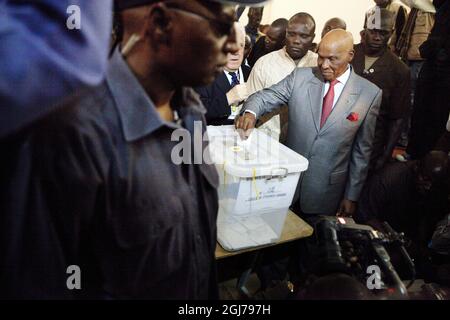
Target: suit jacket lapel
<point>315,92</point>
<point>345,102</point>
<point>246,71</point>
<point>223,84</point>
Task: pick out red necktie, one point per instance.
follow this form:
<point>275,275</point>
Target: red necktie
<point>328,103</point>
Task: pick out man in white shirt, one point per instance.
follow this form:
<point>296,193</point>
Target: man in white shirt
<point>275,66</point>
<point>332,118</point>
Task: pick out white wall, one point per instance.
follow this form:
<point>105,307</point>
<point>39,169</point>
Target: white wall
<point>352,11</point>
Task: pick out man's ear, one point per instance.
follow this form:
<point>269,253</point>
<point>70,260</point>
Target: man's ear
<point>351,55</point>
<point>160,25</point>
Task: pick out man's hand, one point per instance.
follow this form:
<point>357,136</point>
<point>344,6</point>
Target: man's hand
<point>237,94</point>
<point>346,209</point>
<point>245,124</point>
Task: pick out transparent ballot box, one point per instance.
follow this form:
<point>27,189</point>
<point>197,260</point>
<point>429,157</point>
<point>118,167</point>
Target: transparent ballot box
<point>258,178</point>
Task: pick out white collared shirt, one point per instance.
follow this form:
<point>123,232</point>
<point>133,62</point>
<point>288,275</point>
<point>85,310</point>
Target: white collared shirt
<point>230,79</point>
<point>338,87</point>
<point>274,67</point>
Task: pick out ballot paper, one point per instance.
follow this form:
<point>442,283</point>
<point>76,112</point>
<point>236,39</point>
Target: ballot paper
<point>244,149</point>
<point>245,143</point>
<point>236,233</point>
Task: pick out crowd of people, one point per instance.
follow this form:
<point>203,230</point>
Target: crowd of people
<point>87,121</point>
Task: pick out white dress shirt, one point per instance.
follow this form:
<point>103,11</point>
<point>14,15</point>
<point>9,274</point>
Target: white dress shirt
<point>274,67</point>
<point>235,109</point>
<point>338,87</point>
<point>240,74</point>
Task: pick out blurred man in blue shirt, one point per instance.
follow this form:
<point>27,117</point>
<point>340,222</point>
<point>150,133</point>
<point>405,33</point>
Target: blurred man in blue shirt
<point>42,61</point>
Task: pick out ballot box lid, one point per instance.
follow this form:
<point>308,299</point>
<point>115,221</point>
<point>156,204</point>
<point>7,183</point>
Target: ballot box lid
<point>259,155</point>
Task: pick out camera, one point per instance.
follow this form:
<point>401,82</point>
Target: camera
<point>343,246</point>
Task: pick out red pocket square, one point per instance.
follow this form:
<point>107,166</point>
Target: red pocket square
<point>353,116</point>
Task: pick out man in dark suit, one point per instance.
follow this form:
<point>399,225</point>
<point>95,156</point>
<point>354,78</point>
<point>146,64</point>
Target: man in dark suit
<point>376,63</point>
<point>221,98</point>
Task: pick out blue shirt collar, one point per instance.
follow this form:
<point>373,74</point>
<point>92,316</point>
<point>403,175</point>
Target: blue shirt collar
<point>137,112</point>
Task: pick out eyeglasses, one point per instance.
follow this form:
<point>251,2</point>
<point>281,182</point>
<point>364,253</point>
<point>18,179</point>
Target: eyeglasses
<point>222,26</point>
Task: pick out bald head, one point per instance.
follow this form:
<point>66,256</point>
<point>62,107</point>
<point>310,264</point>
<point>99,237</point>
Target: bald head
<point>332,24</point>
<point>303,18</point>
<point>337,286</point>
<point>335,53</point>
<point>299,35</point>
<point>339,39</point>
<point>280,23</point>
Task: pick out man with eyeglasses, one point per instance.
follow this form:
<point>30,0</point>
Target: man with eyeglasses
<point>376,63</point>
<point>100,209</point>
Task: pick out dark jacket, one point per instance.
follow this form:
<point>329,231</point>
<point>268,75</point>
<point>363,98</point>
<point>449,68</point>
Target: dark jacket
<point>437,47</point>
<point>214,98</point>
<point>391,75</point>
<point>258,50</point>
<point>94,185</point>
